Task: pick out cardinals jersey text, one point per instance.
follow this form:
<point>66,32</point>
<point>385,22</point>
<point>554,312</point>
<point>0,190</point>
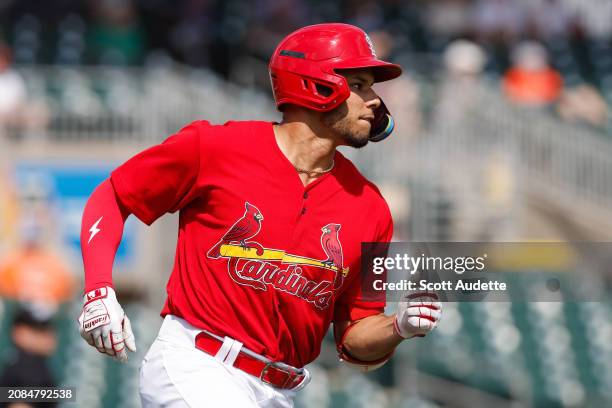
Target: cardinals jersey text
<point>251,264</point>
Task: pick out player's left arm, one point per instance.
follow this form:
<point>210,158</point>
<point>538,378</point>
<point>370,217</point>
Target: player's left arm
<point>364,334</point>
<point>368,340</point>
<point>371,340</point>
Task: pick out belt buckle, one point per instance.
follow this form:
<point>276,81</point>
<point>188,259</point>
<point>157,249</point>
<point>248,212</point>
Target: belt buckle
<point>273,364</point>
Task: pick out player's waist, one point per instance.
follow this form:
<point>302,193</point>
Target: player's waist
<point>178,331</point>
<point>230,351</point>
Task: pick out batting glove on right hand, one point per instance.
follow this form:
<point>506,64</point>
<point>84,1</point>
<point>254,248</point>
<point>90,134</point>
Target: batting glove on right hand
<point>417,315</point>
<point>104,325</point>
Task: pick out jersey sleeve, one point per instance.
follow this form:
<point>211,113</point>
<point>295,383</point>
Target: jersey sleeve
<point>162,178</point>
<point>353,305</point>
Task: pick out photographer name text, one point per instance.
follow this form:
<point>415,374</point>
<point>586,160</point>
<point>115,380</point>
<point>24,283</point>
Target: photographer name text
<point>424,285</point>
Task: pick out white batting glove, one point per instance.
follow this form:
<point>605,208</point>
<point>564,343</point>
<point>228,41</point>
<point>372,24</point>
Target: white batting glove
<point>417,315</point>
<point>104,325</point>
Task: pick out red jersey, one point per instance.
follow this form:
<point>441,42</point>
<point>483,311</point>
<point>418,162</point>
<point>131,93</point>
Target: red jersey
<point>260,258</point>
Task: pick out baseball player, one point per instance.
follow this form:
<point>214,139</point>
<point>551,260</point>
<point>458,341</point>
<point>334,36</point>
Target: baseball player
<point>270,227</point>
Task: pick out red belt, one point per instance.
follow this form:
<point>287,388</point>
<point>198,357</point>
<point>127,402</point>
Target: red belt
<point>279,375</point>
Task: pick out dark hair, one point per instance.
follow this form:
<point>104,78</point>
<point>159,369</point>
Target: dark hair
<point>32,317</point>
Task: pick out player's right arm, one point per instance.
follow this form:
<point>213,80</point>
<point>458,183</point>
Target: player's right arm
<point>101,232</point>
<point>103,323</point>
<point>158,180</point>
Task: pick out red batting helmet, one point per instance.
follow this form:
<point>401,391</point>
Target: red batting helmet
<point>303,66</point>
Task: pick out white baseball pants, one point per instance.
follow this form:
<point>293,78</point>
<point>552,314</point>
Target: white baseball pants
<point>175,374</point>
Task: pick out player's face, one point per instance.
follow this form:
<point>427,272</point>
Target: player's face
<point>352,120</point>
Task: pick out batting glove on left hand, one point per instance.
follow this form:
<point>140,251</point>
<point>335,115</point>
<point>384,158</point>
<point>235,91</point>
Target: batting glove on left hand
<point>417,315</point>
<point>104,325</point>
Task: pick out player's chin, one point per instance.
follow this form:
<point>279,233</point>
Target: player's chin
<point>359,136</point>
<point>357,139</point>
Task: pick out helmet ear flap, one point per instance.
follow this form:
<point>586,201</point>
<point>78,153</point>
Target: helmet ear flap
<point>321,94</point>
<point>323,89</point>
<point>317,88</point>
<point>326,93</point>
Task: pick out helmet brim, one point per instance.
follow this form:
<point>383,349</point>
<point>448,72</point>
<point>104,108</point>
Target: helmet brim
<point>382,71</point>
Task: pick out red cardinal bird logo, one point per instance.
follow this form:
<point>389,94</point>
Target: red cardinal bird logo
<point>245,228</point>
<point>331,245</point>
<point>333,249</point>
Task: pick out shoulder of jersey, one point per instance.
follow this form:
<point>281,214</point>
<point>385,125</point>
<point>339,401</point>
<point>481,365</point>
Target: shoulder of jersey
<point>231,125</point>
<point>352,175</point>
<point>242,130</point>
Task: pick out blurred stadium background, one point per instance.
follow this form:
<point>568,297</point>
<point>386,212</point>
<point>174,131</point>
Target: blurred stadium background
<point>504,134</point>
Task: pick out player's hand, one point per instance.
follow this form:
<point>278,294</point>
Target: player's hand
<point>417,314</point>
<point>104,325</point>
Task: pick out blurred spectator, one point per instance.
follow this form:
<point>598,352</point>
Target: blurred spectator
<point>13,92</point>
<point>16,112</point>
<point>583,104</point>
<point>35,341</point>
<point>464,60</point>
<point>33,273</point>
<point>531,81</point>
<point>116,38</point>
<point>448,18</point>
<point>459,92</point>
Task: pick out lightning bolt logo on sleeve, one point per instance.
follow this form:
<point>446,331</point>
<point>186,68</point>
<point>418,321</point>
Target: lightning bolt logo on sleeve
<point>94,230</point>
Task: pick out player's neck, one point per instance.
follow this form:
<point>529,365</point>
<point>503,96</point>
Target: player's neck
<point>303,146</point>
